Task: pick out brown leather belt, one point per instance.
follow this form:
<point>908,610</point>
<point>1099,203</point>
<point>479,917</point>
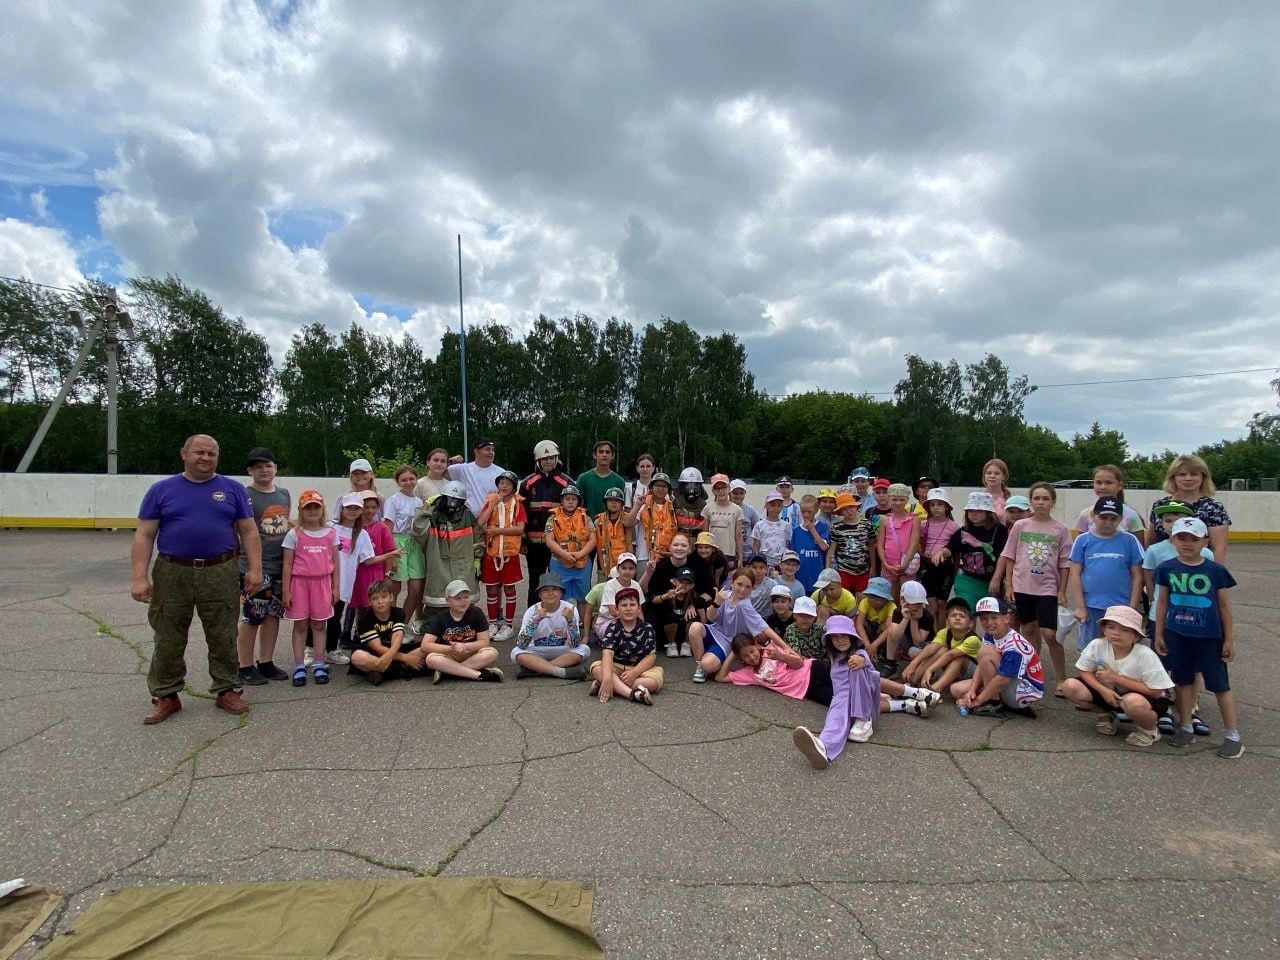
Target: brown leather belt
<point>199,562</point>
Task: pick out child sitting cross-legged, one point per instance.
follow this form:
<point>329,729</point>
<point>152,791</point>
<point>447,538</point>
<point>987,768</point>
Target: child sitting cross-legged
<point>457,639</point>
<point>1009,674</point>
<point>858,694</point>
<point>952,654</point>
<point>385,652</point>
<point>549,643</point>
<point>1119,673</point>
<point>629,655</point>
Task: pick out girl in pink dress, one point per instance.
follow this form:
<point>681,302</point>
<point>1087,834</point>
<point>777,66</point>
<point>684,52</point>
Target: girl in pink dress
<point>309,582</point>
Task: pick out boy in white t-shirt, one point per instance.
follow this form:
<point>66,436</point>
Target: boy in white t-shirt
<point>1119,673</point>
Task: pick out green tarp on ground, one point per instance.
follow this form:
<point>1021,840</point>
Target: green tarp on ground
<point>21,914</point>
<point>465,917</point>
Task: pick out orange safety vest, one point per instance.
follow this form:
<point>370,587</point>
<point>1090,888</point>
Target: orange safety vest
<point>570,531</point>
<point>659,523</point>
<point>611,540</point>
<point>504,513</point>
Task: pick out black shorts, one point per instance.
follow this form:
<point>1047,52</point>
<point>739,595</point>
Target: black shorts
<point>1159,704</point>
<point>819,689</point>
<point>936,580</point>
<point>1191,655</point>
<point>1032,608</point>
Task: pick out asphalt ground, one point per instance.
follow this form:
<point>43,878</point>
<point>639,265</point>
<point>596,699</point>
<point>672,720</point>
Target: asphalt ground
<point>701,828</point>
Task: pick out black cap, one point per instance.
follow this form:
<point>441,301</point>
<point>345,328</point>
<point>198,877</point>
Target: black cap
<point>757,556</point>
<point>684,573</point>
<point>481,442</point>
<point>259,455</point>
<point>1108,505</point>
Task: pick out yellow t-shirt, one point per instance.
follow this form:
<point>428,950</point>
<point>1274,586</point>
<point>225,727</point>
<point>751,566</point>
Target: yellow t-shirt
<point>843,605</point>
<point>878,617</point>
<point>970,644</point>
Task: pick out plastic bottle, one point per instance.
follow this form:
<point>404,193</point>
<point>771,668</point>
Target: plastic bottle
<point>964,711</point>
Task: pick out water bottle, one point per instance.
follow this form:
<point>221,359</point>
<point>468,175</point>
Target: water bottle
<point>964,711</point>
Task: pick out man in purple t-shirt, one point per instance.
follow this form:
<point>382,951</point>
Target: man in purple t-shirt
<point>198,521</point>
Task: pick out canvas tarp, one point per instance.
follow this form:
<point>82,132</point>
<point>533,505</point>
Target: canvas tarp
<point>463,918</point>
<point>21,914</point>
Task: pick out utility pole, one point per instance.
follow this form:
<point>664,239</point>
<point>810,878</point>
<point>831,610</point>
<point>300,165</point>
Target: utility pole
<point>113,320</point>
<point>462,326</point>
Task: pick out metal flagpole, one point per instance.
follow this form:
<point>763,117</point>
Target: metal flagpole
<point>462,326</point>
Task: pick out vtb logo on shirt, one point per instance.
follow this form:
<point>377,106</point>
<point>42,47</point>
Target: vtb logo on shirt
<point>1190,589</point>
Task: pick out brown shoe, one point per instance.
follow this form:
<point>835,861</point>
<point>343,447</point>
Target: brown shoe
<point>232,702</point>
<point>162,708</point>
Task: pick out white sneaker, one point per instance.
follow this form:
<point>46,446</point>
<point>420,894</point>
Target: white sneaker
<point>338,657</point>
<point>505,633</point>
<point>808,744</point>
<point>918,707</point>
<point>686,650</point>
<point>929,697</point>
<point>307,658</point>
<point>860,732</point>
<point>698,675</point>
<point>672,651</point>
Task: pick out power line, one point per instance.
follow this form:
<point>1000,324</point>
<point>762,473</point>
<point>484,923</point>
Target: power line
<point>50,286</point>
<point>1178,376</point>
<point>1077,383</point>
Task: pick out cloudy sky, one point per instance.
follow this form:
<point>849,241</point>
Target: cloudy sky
<point>1090,191</point>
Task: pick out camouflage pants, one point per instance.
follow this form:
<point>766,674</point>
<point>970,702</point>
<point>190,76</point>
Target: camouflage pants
<point>177,594</point>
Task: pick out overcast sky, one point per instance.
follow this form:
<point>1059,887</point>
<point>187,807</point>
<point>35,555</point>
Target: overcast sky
<point>1091,191</point>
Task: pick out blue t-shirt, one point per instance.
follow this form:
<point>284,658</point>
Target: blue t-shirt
<point>812,560</point>
<point>1106,563</point>
<point>1193,596</point>
<point>1157,554</point>
<point>196,519</point>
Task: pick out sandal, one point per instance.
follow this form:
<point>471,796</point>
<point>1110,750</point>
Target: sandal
<point>642,695</point>
<point>320,673</point>
<point>299,676</point>
<point>1198,726</point>
<point>1105,725</point>
<point>594,688</point>
<point>1142,738</point>
<point>1165,725</point>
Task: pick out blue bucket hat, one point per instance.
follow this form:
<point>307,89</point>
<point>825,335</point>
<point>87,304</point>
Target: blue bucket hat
<point>879,587</point>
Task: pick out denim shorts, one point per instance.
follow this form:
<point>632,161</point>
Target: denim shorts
<point>1191,655</point>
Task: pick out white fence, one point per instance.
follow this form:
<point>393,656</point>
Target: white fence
<point>61,500</point>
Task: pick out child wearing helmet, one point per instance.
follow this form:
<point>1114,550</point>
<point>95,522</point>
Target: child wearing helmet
<point>502,521</point>
<point>571,538</point>
<point>451,540</point>
<point>541,492</point>
<point>613,531</point>
<point>655,517</point>
<point>691,499</point>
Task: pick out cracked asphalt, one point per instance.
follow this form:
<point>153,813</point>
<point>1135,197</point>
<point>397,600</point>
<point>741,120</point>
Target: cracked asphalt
<point>699,825</point>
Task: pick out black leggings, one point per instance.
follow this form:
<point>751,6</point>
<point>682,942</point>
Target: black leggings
<point>819,690</point>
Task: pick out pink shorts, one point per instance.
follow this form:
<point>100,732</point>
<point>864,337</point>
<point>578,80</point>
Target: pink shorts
<point>509,575</point>
<point>310,598</point>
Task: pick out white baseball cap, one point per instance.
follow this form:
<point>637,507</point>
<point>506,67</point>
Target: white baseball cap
<point>1192,525</point>
<point>623,557</point>
<point>913,592</point>
<point>737,485</point>
<point>780,590</point>
<point>805,606</point>
<point>360,464</point>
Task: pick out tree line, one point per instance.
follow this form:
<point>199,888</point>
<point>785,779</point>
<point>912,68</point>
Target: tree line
<point>664,388</point>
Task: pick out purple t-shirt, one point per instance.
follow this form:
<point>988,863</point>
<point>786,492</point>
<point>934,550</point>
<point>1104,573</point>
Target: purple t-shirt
<point>196,519</point>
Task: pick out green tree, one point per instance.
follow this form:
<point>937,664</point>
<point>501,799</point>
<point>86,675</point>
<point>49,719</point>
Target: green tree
<point>994,403</point>
<point>930,405</point>
<point>821,436</point>
<point>1100,446</point>
<point>317,387</point>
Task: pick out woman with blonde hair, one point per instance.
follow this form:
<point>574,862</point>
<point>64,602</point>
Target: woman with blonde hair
<point>1189,480</point>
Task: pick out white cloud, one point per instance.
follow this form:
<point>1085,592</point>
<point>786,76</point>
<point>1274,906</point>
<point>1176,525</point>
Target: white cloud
<point>1065,185</point>
<point>42,254</point>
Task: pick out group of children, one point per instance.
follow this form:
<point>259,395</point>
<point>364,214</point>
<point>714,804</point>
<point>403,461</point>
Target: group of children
<point>861,598</point>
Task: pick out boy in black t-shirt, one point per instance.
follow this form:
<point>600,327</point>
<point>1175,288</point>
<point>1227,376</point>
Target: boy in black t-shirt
<point>457,639</point>
<point>911,629</point>
<point>384,652</point>
<point>628,664</point>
